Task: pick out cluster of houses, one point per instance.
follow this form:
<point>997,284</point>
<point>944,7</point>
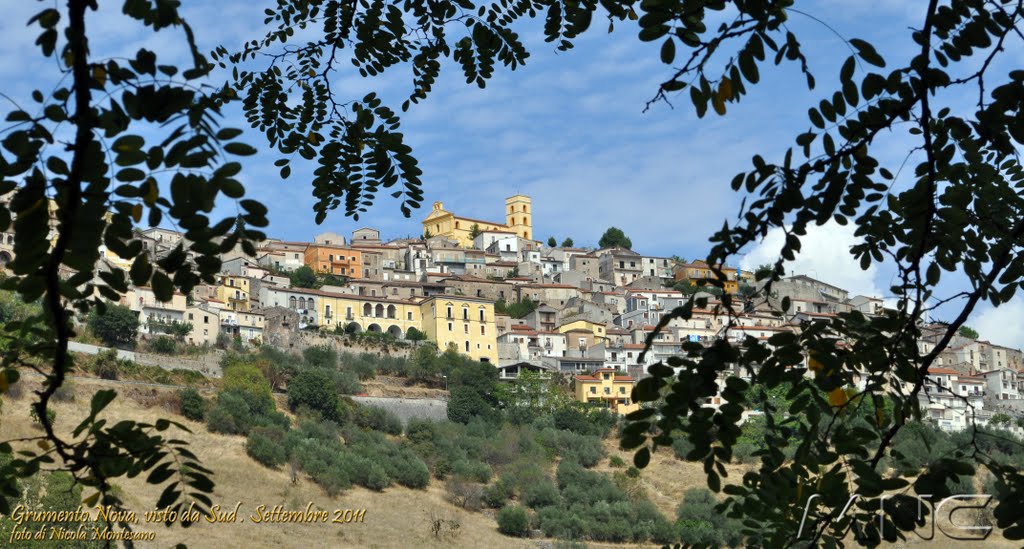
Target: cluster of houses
<point>582,313</point>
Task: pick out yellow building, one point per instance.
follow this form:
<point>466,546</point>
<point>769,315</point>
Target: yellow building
<point>608,389</point>
<point>699,272</point>
<point>356,313</point>
<point>599,330</point>
<point>467,322</point>
<point>234,291</point>
<point>518,220</point>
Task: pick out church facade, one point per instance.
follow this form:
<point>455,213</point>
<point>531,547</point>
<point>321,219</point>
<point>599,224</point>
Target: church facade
<point>518,221</point>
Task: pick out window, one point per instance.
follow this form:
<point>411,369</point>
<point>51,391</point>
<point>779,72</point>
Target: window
<point>622,390</point>
<point>206,319</point>
<point>483,330</point>
<point>607,390</point>
<point>449,326</point>
<point>465,328</point>
<point>593,390</point>
<point>467,346</point>
<point>605,376</point>
<point>190,316</point>
<point>409,315</point>
<point>465,313</point>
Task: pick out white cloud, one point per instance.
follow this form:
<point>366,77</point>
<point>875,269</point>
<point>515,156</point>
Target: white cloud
<point>824,255</point>
<point>1003,325</point>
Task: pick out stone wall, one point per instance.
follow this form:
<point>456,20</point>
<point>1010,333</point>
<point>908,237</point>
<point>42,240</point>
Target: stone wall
<point>407,408</point>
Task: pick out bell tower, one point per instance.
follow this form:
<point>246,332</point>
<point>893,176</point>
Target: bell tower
<point>519,215</point>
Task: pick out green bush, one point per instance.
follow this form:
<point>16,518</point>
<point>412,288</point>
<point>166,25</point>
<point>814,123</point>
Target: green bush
<point>347,383</point>
<point>51,415</point>
<point>681,446</point>
<point>497,495</point>
<point>632,472</point>
<point>477,471</point>
<point>118,326</point>
<point>541,494</point>
<point>163,345</point>
<point>378,419</point>
<point>616,461</point>
<point>192,404</point>
<point>265,446</point>
<point>409,471</point>
<point>66,392</point>
<point>699,523</point>
<point>513,521</point>
<point>315,390</point>
<point>321,356</point>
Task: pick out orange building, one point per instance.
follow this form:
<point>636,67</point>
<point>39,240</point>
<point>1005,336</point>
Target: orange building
<point>335,260</point>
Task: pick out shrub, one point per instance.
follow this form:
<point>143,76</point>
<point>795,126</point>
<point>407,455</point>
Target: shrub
<point>378,419</point>
<point>497,495</point>
<point>163,345</point>
<point>377,479</point>
<point>473,470</point>
<point>616,461</point>
<point>51,415</point>
<point>66,392</point>
<point>633,472</point>
<point>106,365</point>
<point>192,404</point>
<point>464,493</point>
<point>681,446</point>
<point>541,494</point>
<point>321,356</point>
<point>246,379</point>
<point>314,389</point>
<point>699,522</point>
<point>513,521</point>
<point>265,446</point>
<point>347,383</point>
<point>231,415</point>
<point>409,471</point>
<point>117,326</point>
<point>743,452</point>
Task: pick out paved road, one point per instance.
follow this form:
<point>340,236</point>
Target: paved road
<point>95,350</point>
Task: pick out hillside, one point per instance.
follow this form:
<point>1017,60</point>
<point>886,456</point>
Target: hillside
<point>395,517</point>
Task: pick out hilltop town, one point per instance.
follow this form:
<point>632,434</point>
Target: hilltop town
<point>497,295</point>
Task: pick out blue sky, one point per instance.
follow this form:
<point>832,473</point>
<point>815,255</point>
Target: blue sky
<point>566,129</point>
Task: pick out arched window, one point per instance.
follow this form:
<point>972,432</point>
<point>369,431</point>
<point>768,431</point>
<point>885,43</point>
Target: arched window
<point>526,208</point>
<point>379,310</point>
<point>391,311</point>
<point>367,309</point>
<point>456,224</point>
<point>291,302</point>
<point>310,304</point>
<point>465,313</point>
<point>482,314</point>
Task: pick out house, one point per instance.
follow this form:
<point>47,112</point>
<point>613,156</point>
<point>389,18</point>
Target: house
<point>155,317</point>
<point>329,239</point>
<point>365,235</point>
<point>509,372</point>
<point>463,321</point>
<point>336,260</point>
<point>235,291</point>
<point>700,273</point>
<point>597,330</point>
<point>619,265</point>
<point>607,388</point>
<point>518,220</point>
<point>205,321</point>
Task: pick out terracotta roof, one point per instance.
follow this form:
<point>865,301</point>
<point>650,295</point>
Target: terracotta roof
<point>943,371</point>
<point>633,346</point>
